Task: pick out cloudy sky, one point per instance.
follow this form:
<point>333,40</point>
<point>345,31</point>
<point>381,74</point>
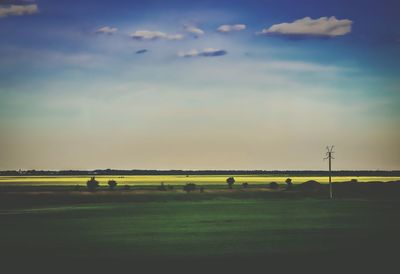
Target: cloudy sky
<point>181,84</point>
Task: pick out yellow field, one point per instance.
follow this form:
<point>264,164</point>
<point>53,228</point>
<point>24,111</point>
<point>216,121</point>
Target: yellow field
<point>176,179</point>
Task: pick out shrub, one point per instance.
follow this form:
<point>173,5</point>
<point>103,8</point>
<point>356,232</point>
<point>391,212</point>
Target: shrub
<point>289,184</point>
<point>112,184</point>
<point>162,187</point>
<point>92,184</point>
<point>127,187</point>
<point>273,185</point>
<point>230,181</point>
<point>353,181</point>
<point>245,185</point>
<point>189,187</point>
<point>201,189</point>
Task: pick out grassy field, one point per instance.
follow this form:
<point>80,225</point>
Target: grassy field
<point>175,180</point>
<point>200,230</point>
<point>218,229</point>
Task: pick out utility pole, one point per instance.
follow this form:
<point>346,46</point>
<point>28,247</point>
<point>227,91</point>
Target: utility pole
<point>329,152</point>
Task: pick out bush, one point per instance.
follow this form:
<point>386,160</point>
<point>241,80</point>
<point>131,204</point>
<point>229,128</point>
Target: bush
<point>127,187</point>
<point>273,185</point>
<point>112,184</point>
<point>189,187</point>
<point>92,184</point>
<point>162,187</point>
<point>353,181</point>
<point>201,189</point>
<point>289,184</point>
<point>245,185</point>
<point>230,181</point>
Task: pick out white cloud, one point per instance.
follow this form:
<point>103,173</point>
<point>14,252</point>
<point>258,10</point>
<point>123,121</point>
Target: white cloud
<point>190,53</point>
<point>323,26</point>
<point>298,66</point>
<point>18,10</point>
<point>194,30</point>
<point>107,30</point>
<point>207,52</point>
<point>230,28</point>
<point>154,35</point>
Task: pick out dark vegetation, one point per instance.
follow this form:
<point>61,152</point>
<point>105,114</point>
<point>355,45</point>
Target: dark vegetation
<point>92,184</point>
<point>190,187</point>
<point>116,172</point>
<point>112,184</point>
<point>289,184</point>
<point>162,187</point>
<point>37,195</point>
<point>230,181</point>
<point>273,185</point>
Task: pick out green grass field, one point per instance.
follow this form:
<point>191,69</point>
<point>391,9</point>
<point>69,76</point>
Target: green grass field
<point>47,225</point>
<point>175,180</point>
<point>196,230</point>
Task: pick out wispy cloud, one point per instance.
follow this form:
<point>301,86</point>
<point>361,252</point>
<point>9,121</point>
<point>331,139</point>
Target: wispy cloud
<point>193,30</point>
<point>15,2</point>
<point>231,28</point>
<point>298,66</point>
<point>154,35</point>
<point>47,58</point>
<point>107,30</point>
<point>207,52</point>
<point>17,10</point>
<point>324,26</point>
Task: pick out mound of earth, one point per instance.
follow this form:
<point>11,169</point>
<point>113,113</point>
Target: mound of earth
<point>310,185</point>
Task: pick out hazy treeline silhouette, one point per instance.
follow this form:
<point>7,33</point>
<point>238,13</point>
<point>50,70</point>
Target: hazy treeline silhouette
<point>117,172</point>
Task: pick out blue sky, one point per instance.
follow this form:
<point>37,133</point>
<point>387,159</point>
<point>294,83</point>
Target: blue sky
<point>199,85</point>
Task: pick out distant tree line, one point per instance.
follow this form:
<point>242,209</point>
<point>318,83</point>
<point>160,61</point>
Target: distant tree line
<point>117,172</point>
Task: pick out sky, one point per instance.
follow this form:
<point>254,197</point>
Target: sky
<point>180,84</point>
